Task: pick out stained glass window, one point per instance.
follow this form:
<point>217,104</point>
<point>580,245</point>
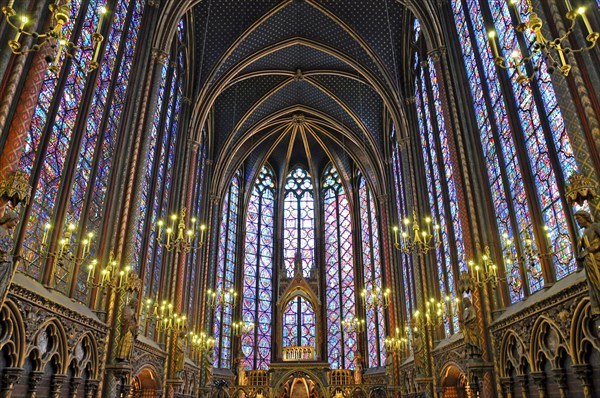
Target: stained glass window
<point>95,154</point>
<point>257,290</point>
<point>373,276</point>
<point>401,207</point>
<point>299,323</point>
<point>298,221</point>
<point>339,271</point>
<point>226,260</point>
<point>500,143</point>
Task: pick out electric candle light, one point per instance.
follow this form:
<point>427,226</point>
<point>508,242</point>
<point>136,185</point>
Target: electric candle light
<point>47,227</point>
<point>24,21</point>
<point>581,11</point>
<point>102,12</point>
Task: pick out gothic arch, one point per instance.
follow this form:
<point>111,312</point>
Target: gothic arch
<point>50,342</point>
<point>547,340</point>
<point>513,354</point>
<point>582,338</point>
<point>12,334</point>
<point>292,374</point>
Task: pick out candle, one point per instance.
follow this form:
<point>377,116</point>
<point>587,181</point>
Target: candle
<point>581,11</point>
<point>91,269</point>
<point>62,43</point>
<point>190,235</point>
<point>24,21</point>
<point>11,3</point>
<point>46,230</point>
<point>396,235</point>
<point>121,273</point>
<point>492,40</point>
<point>202,229</point>
<point>102,12</point>
<point>160,224</point>
<point>514,4</point>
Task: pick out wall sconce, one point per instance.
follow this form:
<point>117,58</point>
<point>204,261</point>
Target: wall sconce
<point>529,253</point>
<point>353,325</point>
<point>113,276</point>
<point>436,311</point>
<point>486,271</point>
<point>222,298</point>
<point>179,237</point>
<point>241,328</point>
<point>201,343</point>
<point>60,13</point>
<point>376,296</point>
<point>64,255</point>
<point>164,316</point>
<point>541,47</point>
<point>420,241</point>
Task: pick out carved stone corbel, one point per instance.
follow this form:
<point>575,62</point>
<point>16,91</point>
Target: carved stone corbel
<point>10,376</point>
<point>507,386</point>
<point>560,378</point>
<point>34,381</point>
<point>583,373</point>
<point>56,385</point>
<point>539,379</point>
<point>90,388</point>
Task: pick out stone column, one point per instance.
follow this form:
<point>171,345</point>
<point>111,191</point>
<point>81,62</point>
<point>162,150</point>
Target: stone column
<point>524,383</point>
<point>583,372</point>
<point>561,379</point>
<point>10,376</point>
<point>507,386</point>
<point>56,385</point>
<point>91,388</point>
<point>34,381</point>
<point>539,378</point>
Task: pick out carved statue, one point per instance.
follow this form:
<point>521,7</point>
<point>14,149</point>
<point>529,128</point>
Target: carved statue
<point>418,353</point>
<point>469,329</point>
<point>358,367</point>
<point>179,355</point>
<point>207,362</point>
<point>588,256</point>
<point>8,222</point>
<point>241,373</point>
<point>129,334</point>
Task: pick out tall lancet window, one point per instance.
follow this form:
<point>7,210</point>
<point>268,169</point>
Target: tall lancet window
<point>299,221</point>
<point>225,273</point>
<point>257,304</point>
<point>371,256</point>
<point>299,323</point>
<point>339,271</point>
<point>533,143</point>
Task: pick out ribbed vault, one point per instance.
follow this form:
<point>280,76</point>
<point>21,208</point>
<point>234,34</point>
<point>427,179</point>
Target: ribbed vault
<point>260,66</point>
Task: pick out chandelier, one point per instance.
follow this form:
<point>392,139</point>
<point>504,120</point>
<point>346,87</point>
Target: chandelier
<point>421,240</point>
<point>241,328</point>
<point>484,271</point>
<point>179,236</point>
<point>222,298</point>
<point>529,254</point>
<point>60,13</point>
<point>541,48</point>
<point>353,325</point>
<point>376,296</point>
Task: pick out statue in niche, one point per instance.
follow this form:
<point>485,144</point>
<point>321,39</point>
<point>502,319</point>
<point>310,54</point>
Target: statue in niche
<point>358,367</point>
<point>588,257</point>
<point>129,331</point>
<point>469,329</point>
<point>8,222</point>
<point>418,353</point>
<point>179,354</point>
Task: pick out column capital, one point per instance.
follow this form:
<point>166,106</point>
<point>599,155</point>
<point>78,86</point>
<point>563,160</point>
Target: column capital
<point>437,53</point>
<point>160,56</point>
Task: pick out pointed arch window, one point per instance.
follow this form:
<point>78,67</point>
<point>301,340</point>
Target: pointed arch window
<point>339,271</point>
<point>299,323</point>
<point>257,289</point>
<point>298,221</point>
<point>537,134</point>
<point>226,261</point>
<point>60,105</point>
<point>373,275</point>
<point>441,186</point>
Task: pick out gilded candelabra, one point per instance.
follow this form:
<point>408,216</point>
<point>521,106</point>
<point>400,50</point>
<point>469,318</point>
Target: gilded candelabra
<point>421,240</point>
<point>60,14</point>
<point>179,235</point>
<point>554,49</point>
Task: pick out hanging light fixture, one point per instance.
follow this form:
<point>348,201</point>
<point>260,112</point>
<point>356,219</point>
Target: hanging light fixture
<point>422,238</point>
<point>55,37</point>
<point>552,50</point>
